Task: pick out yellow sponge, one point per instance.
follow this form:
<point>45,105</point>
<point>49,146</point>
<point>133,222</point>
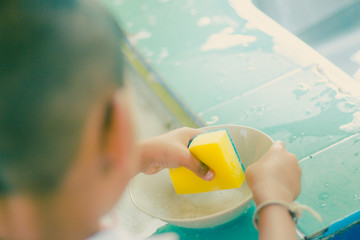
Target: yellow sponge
<point>216,150</point>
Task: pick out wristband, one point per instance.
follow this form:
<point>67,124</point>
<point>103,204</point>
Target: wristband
<point>295,210</point>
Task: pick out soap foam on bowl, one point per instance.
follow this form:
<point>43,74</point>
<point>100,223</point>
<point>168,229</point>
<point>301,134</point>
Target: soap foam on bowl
<point>169,204</point>
<point>155,195</point>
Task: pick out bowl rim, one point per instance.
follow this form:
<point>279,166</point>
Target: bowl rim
<point>210,216</point>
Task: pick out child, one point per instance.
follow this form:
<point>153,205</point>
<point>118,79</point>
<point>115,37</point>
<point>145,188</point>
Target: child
<point>67,148</point>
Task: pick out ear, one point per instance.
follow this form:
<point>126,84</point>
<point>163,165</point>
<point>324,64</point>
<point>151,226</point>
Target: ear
<point>119,140</point>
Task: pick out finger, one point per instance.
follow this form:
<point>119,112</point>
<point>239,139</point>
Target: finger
<point>279,143</point>
<point>189,133</point>
<point>277,146</point>
<point>199,168</point>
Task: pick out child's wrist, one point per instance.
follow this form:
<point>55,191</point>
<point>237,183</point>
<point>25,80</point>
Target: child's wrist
<point>262,195</point>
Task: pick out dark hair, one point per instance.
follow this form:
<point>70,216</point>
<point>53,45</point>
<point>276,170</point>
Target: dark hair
<point>57,58</point>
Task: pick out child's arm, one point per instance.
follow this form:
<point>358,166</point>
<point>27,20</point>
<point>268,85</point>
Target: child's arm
<point>170,151</point>
<point>275,177</point>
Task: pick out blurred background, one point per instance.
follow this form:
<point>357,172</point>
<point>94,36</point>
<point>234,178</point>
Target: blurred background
<point>332,27</point>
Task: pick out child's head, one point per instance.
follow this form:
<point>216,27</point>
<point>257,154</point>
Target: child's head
<point>65,142</point>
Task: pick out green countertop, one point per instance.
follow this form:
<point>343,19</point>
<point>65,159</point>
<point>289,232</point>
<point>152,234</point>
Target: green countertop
<point>225,62</point>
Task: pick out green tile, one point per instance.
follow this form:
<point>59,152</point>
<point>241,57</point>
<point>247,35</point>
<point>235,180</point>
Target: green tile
<point>172,45</point>
<point>204,81</point>
<point>305,110</point>
<point>331,183</point>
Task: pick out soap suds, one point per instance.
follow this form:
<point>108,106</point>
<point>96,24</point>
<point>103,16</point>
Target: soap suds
<point>202,204</point>
<point>156,195</point>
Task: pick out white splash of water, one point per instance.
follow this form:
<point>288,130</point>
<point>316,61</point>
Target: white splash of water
<point>354,125</point>
<point>204,21</point>
<point>213,120</point>
<point>163,54</point>
<point>226,39</point>
<point>138,36</point>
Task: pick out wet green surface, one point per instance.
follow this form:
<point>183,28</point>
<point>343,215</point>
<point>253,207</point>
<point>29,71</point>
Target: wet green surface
<point>331,183</point>
<point>302,109</point>
<point>207,77</point>
<point>259,75</point>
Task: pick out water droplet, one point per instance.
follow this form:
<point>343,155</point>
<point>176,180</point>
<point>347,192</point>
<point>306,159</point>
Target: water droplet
<point>193,11</point>
<point>356,197</point>
<point>251,68</point>
<point>356,140</point>
<point>144,7</point>
<point>350,104</point>
<point>118,2</point>
<point>204,21</point>
<point>292,138</point>
<point>324,196</point>
<point>152,20</point>
<point>213,120</point>
<point>129,24</point>
<point>326,184</point>
<point>301,89</point>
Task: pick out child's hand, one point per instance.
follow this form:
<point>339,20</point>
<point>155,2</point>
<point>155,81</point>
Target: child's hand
<point>170,150</point>
<point>276,176</point>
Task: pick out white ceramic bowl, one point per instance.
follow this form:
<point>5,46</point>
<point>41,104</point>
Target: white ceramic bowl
<point>155,196</point>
